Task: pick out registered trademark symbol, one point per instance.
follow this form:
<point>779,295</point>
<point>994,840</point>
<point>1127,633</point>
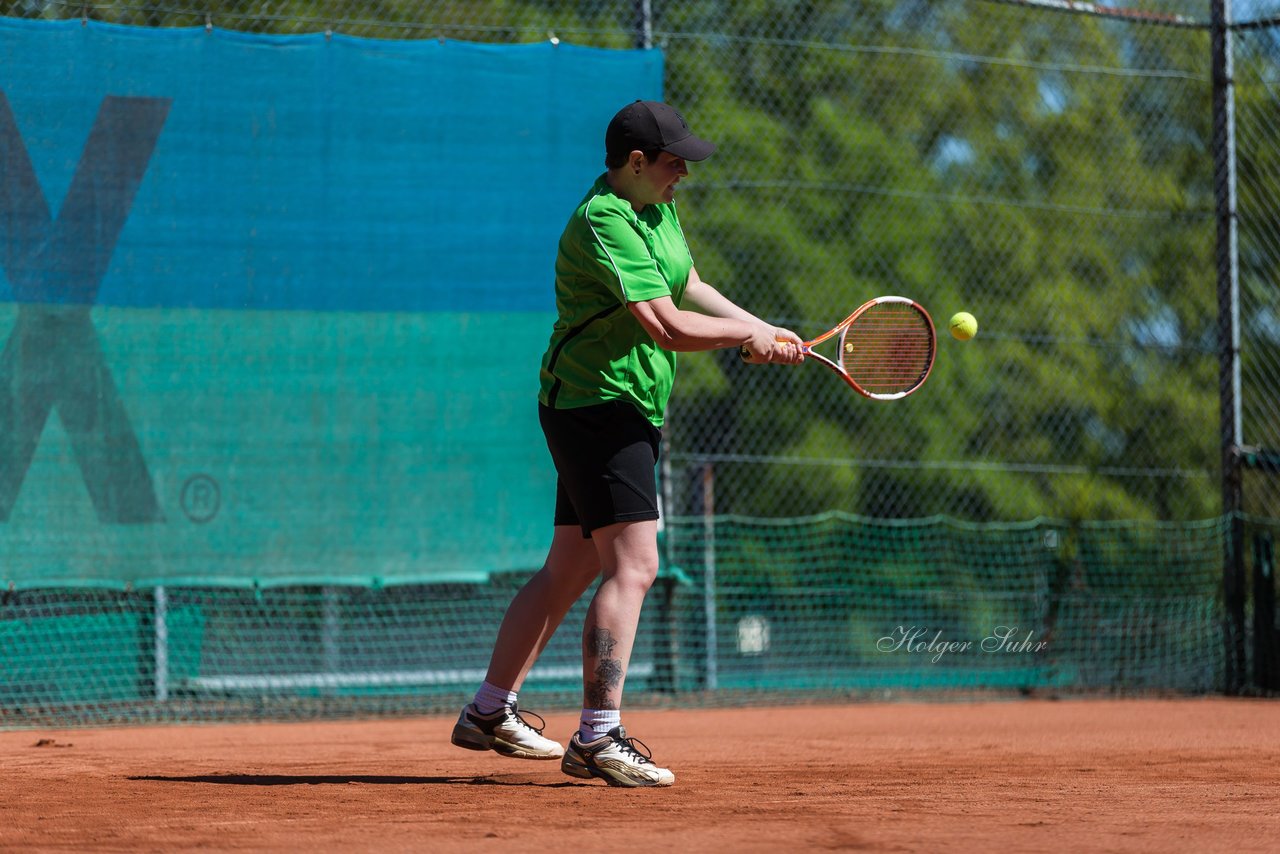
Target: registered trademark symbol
<point>201,498</point>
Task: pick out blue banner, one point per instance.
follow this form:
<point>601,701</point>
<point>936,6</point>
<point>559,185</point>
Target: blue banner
<point>312,172</point>
<point>272,308</point>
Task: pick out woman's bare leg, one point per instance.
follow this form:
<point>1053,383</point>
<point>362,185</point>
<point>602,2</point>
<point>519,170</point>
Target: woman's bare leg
<point>540,606</point>
<point>628,555</point>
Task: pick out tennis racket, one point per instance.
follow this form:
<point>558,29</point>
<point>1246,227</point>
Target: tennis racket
<point>885,348</point>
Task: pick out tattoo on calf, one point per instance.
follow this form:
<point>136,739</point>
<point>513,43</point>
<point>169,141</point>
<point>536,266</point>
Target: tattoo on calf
<point>609,671</point>
<point>600,642</point>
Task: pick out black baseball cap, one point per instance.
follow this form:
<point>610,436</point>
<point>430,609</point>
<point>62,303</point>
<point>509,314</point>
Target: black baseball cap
<point>646,125</point>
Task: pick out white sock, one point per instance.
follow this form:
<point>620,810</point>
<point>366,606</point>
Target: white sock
<point>490,698</point>
<point>597,722</point>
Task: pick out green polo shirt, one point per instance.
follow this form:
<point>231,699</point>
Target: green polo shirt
<point>610,256</point>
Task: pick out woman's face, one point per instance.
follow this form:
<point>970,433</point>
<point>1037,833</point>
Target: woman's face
<point>660,177</point>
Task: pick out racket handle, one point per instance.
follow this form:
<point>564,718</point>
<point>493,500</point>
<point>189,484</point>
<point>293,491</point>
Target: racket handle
<point>745,354</point>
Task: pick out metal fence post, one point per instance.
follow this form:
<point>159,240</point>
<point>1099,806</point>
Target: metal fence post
<point>644,24</point>
<point>711,679</point>
<point>1227,265</point>
<point>161,618</point>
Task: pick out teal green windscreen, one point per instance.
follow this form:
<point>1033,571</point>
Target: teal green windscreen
<point>272,307</point>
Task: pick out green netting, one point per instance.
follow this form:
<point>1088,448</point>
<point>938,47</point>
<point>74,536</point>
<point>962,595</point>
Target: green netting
<point>860,603</point>
<point>745,610</point>
<point>216,653</point>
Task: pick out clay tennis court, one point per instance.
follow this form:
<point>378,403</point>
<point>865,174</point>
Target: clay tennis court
<point>1079,775</point>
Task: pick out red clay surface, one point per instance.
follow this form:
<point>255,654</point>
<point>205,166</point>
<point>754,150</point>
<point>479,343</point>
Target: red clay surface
<point>1196,775</point>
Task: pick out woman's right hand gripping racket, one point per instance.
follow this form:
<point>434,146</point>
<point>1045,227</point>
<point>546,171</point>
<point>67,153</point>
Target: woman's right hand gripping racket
<point>886,348</point>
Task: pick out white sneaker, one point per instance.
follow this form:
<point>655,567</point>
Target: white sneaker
<point>616,759</point>
<point>504,731</point>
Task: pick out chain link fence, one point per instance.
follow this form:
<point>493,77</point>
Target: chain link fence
<point>1257,80</point>
<point>1046,168</point>
<point>1046,165</point>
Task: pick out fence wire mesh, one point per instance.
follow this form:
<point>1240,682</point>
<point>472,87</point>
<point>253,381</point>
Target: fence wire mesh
<point>1257,79</point>
<point>1044,165</point>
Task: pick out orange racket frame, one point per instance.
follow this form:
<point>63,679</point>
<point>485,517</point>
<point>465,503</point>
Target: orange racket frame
<point>901,353</point>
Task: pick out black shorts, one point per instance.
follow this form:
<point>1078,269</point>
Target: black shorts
<point>605,457</point>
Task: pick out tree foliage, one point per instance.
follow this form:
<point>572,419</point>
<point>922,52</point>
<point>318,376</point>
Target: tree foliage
<point>1049,173</point>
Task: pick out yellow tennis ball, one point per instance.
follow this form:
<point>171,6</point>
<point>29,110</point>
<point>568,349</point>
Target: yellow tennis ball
<point>963,325</point>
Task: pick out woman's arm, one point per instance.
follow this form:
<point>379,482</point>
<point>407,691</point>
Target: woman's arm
<point>702,297</point>
<point>716,323</point>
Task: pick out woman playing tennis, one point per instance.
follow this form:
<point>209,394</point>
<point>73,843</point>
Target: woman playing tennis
<point>628,299</point>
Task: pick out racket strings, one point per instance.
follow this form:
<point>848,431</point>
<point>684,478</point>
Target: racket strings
<point>888,348</point>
